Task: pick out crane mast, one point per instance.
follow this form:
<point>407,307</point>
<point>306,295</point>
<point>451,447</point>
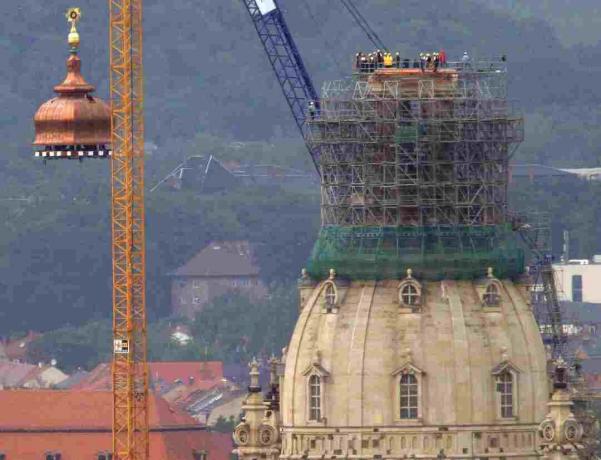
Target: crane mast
<point>129,369</point>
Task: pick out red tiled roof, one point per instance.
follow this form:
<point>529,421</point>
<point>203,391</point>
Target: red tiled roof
<point>209,373</point>
<point>221,258</point>
<point>78,425</point>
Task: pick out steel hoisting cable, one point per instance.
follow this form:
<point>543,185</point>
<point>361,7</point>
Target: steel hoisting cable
<point>340,65</point>
<point>362,22</point>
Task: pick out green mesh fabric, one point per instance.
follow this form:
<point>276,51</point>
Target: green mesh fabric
<point>368,253</point>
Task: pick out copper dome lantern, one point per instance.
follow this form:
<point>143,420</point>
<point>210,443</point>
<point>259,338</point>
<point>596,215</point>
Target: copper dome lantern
<point>74,124</point>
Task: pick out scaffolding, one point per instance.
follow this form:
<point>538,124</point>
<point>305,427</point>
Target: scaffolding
<point>413,149</point>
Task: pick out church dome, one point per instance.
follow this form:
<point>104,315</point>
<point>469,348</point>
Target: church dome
<point>74,123</point>
<point>399,368</point>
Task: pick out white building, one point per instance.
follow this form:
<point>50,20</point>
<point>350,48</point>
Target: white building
<point>579,280</point>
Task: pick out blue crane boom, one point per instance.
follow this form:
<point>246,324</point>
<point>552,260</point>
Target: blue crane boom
<point>286,62</point>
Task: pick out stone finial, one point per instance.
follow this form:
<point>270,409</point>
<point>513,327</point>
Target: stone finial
<point>273,370</point>
<point>504,354</point>
<point>332,273</point>
<point>254,374</point>
<point>560,374</point>
<point>406,355</point>
<point>304,274</point>
<point>489,272</point>
<point>317,357</point>
<point>409,273</point>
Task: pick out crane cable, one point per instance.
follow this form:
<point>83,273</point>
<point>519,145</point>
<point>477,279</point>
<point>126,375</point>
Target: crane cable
<point>339,63</point>
<point>362,22</point>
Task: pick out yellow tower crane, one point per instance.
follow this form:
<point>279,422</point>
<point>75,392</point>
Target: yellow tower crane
<point>130,370</point>
<point>76,125</point>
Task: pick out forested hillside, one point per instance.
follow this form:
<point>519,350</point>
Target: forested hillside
<point>208,84</point>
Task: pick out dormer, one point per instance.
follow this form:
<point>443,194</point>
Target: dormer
<point>410,293</point>
<point>490,292</point>
<point>506,381</point>
<point>408,385</point>
<point>329,294</point>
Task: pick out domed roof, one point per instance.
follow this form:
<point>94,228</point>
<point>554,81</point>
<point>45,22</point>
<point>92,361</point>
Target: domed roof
<point>74,119</point>
<point>360,339</point>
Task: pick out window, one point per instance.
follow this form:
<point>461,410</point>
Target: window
<point>409,396</point>
<point>505,390</point>
<point>576,288</point>
<point>197,301</point>
<point>199,455</point>
<point>105,456</point>
<point>410,294</point>
<point>53,456</point>
<point>2,456</point>
<point>330,296</point>
<point>197,284</point>
<point>491,295</point>
<point>315,398</point>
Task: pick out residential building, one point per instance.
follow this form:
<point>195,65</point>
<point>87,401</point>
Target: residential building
<point>578,280</point>
<point>22,375</point>
<point>16,349</point>
<point>163,375</point>
<point>77,425</point>
<point>222,267</point>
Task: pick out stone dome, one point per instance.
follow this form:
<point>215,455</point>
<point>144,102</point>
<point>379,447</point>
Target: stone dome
<point>469,353</point>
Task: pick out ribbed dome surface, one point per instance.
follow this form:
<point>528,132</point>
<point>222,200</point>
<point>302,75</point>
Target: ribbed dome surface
<point>453,344</point>
<point>74,118</point>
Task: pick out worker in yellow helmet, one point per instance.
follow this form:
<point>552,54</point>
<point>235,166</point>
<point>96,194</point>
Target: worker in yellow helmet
<point>388,60</point>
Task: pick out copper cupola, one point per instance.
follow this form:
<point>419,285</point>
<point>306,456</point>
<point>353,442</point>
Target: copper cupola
<point>74,124</point>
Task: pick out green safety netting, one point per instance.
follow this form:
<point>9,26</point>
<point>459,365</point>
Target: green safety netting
<point>453,252</point>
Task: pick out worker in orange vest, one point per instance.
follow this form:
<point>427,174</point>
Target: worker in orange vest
<point>442,58</point>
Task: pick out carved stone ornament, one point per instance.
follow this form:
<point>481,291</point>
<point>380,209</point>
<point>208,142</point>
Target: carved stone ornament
<point>242,434</point>
<point>547,430</point>
<point>267,435</point>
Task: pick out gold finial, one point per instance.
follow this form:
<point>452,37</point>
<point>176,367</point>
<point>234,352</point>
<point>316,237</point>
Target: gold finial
<point>73,16</point>
<point>489,272</point>
<point>332,273</point>
<point>409,273</point>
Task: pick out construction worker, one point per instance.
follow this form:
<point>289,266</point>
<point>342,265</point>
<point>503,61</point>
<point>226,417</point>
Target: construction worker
<point>312,110</point>
<point>465,60</point>
<point>422,61</point>
<point>363,63</point>
<point>436,62</point>
<point>442,57</point>
<point>397,60</point>
<point>380,58</point>
<point>387,60</point>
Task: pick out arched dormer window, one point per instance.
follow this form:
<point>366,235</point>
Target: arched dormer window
<point>491,294</point>
<point>410,292</point>
<point>330,294</point>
